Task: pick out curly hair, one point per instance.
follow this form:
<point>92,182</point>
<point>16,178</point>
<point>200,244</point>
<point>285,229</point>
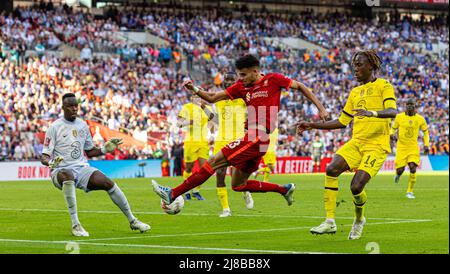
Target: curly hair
<point>371,56</point>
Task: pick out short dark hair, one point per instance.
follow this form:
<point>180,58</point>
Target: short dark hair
<point>247,61</point>
<point>68,95</point>
<point>411,101</point>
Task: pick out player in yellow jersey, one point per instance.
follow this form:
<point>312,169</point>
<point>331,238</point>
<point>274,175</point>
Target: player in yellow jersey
<point>408,124</point>
<point>371,107</point>
<point>230,119</point>
<point>194,117</point>
<point>270,158</point>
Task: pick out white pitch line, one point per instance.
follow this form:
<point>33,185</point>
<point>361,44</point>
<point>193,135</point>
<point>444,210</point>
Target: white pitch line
<point>198,214</point>
<point>171,247</point>
<point>233,232</point>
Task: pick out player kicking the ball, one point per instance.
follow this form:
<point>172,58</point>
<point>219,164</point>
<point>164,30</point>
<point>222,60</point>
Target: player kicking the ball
<point>371,107</point>
<point>261,94</point>
<point>65,141</point>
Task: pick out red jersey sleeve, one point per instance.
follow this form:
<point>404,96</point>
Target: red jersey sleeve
<point>235,91</point>
<point>282,81</point>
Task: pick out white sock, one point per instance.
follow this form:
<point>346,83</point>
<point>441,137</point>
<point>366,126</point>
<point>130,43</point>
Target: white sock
<point>68,189</point>
<point>330,221</point>
<point>120,200</point>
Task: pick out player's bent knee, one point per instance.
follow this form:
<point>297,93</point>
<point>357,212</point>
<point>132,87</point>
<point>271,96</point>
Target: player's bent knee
<point>65,175</point>
<point>356,188</point>
<point>332,171</point>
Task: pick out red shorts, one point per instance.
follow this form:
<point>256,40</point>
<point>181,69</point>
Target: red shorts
<point>246,153</point>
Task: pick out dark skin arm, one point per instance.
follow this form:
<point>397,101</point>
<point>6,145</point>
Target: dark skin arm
<point>94,152</point>
<point>209,113</point>
<point>385,113</point>
<point>335,124</point>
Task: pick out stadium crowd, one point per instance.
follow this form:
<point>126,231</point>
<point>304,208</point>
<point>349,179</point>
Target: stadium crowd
<point>137,88</point>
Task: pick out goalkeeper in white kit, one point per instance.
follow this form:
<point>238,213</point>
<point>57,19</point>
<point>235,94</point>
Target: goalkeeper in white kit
<point>66,141</point>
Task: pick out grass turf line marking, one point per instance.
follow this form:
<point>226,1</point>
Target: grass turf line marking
<point>171,247</point>
<point>232,232</point>
<point>197,214</point>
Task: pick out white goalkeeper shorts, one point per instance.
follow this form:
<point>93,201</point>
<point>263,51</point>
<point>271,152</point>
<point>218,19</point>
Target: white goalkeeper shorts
<point>81,176</point>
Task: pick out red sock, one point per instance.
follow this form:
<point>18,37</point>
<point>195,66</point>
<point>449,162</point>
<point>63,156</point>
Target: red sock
<point>196,179</point>
<point>258,186</point>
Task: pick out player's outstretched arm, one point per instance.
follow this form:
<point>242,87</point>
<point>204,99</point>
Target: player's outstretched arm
<point>334,124</point>
<point>210,97</point>
<point>109,146</point>
<point>323,114</point>
<point>385,113</point>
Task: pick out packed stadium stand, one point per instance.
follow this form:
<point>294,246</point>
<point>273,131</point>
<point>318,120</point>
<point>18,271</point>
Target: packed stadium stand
<point>130,84</point>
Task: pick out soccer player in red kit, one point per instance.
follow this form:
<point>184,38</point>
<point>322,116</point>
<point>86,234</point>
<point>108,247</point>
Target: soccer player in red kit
<point>261,93</point>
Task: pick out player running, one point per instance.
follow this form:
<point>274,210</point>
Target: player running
<point>194,118</point>
<point>230,118</point>
<point>262,97</point>
<point>408,124</point>
<point>66,141</point>
<point>370,106</point>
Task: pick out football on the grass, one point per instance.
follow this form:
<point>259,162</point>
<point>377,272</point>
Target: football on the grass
<point>173,208</point>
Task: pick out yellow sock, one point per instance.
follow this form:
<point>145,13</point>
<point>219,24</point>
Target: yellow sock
<point>411,182</point>
<point>330,195</point>
<point>222,193</point>
<point>266,174</point>
<point>186,174</point>
<point>359,200</point>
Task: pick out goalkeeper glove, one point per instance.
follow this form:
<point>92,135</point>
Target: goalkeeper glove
<point>111,145</point>
<point>53,163</point>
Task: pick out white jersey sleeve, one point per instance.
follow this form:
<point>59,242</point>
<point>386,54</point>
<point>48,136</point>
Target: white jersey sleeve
<point>89,142</point>
<point>49,141</point>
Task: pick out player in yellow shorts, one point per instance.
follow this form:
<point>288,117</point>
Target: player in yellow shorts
<point>230,119</point>
<point>409,123</point>
<point>371,107</point>
<point>270,158</point>
<point>194,117</point>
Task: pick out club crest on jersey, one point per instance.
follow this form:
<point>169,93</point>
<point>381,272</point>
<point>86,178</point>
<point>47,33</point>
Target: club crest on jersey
<point>74,133</point>
<point>82,133</point>
<point>369,91</point>
<point>266,83</point>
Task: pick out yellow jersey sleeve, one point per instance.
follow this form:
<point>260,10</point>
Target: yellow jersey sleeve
<point>184,112</point>
<point>426,134</point>
<point>388,93</point>
<point>347,113</point>
<point>395,125</point>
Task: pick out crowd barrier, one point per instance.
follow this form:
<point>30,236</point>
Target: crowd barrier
<point>21,171</point>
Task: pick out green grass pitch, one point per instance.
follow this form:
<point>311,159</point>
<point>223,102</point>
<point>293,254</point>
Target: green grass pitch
<point>34,219</point>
